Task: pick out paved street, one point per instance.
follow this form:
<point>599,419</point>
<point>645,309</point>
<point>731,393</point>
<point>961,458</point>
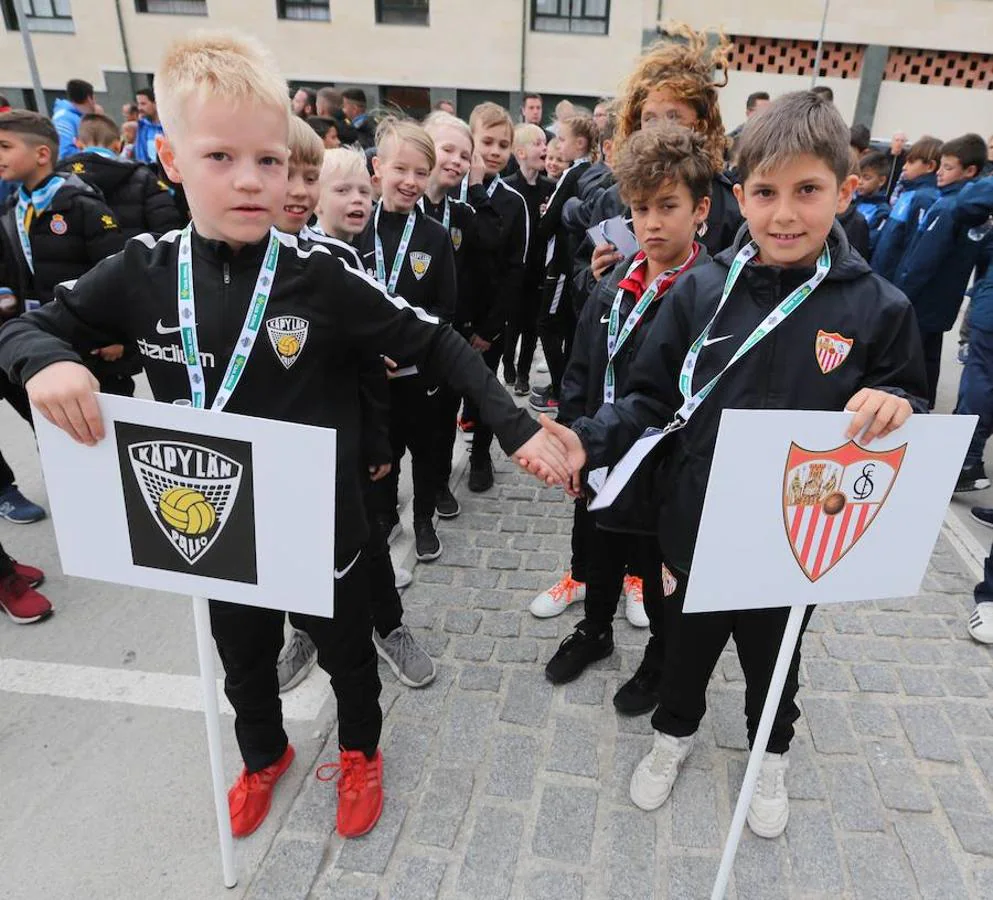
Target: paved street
<point>498,785</point>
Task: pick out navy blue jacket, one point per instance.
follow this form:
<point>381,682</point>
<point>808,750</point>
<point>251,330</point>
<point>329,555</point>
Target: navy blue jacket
<point>935,270</point>
<point>781,372</point>
<point>974,207</point>
<point>875,210</point>
<point>899,228</point>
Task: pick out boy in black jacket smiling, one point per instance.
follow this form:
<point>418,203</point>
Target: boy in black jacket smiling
<point>664,175</point>
<point>789,277</point>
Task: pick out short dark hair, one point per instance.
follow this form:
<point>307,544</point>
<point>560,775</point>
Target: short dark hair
<point>78,91</point>
<point>323,125</point>
<point>530,96</point>
<point>753,99</point>
<point>877,161</point>
<point>331,96</point>
<point>146,92</point>
<point>793,125</point>
<point>98,130</point>
<point>311,96</point>
<point>969,150</point>
<point>653,157</point>
<point>356,95</point>
<point>822,90</point>
<point>32,126</point>
<point>859,137</point>
<point>927,149</point>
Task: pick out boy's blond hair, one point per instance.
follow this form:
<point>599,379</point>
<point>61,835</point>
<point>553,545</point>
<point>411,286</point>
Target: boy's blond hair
<point>583,126</point>
<point>96,130</point>
<point>217,64</point>
<point>526,134</point>
<point>441,119</point>
<point>393,131</point>
<point>306,148</point>
<point>342,162</point>
<point>486,115</point>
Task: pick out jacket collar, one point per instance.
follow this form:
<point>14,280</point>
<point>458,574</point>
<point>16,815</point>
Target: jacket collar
<point>219,252</point>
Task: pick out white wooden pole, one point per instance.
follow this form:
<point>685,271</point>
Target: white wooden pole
<point>208,681</point>
<point>783,660</point>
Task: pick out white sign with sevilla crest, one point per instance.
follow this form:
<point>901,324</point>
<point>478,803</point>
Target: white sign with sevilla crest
<point>797,514</point>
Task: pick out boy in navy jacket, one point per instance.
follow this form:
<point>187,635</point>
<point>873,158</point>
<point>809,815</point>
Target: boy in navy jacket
<point>935,270</point>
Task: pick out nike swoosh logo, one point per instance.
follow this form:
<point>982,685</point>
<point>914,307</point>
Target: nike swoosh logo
<point>710,341</point>
<point>433,391</point>
<point>605,319</point>
<point>339,574</point>
<point>167,329</point>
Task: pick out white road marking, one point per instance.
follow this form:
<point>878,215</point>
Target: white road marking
<point>155,689</point>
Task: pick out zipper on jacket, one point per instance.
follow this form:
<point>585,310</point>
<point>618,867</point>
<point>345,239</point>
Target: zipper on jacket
<point>227,273</point>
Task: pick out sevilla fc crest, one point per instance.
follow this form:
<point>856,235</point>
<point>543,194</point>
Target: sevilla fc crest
<point>831,497</point>
<point>831,349</point>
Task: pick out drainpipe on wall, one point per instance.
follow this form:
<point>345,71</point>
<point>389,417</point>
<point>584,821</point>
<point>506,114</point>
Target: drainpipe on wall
<point>22,25</point>
<point>820,45</point>
<point>524,42</point>
<point>124,47</point>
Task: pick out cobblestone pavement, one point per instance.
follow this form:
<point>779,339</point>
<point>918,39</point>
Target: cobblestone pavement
<point>499,785</point>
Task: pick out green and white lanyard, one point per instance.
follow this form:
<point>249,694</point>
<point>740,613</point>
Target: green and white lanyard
<point>494,184</point>
<point>608,488</point>
<point>446,216</point>
<point>692,401</point>
<point>249,331</point>
<point>401,254</point>
<point>464,188</point>
<point>34,202</point>
<point>617,335</point>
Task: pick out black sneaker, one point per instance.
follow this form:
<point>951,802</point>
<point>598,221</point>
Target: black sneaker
<point>983,515</point>
<point>972,478</point>
<point>576,652</point>
<point>522,387</point>
<point>640,694</point>
<point>426,543</point>
<point>509,373</point>
<point>446,504</point>
<point>480,474</point>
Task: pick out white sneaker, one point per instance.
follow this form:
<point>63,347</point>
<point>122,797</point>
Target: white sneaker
<point>634,602</point>
<point>541,368</point>
<point>981,622</point>
<point>554,601</point>
<point>769,810</point>
<point>655,775</point>
<point>401,577</point>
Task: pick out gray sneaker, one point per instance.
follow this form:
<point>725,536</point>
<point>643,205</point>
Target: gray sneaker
<point>401,577</point>
<point>408,660</point>
<point>296,659</point>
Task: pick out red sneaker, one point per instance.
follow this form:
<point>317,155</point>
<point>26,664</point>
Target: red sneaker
<point>21,601</point>
<point>466,426</point>
<point>251,795</point>
<point>30,574</point>
<point>360,791</point>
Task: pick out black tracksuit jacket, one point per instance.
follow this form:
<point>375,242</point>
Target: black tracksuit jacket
<point>132,297</point>
<point>534,196</point>
<point>781,372</point>
<point>140,200</point>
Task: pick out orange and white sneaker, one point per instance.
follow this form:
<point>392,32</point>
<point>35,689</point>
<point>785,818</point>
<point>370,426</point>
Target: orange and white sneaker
<point>250,797</point>
<point>554,601</point>
<point>634,602</point>
<point>360,791</point>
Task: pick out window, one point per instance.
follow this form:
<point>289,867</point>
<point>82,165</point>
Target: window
<point>314,10</point>
<point>577,16</point>
<point>41,15</point>
<point>172,7</point>
<point>402,12</point>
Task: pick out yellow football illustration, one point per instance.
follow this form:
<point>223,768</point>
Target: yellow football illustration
<point>288,345</point>
<point>187,511</point>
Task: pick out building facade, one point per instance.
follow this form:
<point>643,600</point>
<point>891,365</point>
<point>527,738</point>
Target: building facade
<point>913,65</point>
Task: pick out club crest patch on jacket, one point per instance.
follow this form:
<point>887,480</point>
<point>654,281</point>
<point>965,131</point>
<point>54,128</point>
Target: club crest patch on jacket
<point>287,334</point>
<point>419,262</point>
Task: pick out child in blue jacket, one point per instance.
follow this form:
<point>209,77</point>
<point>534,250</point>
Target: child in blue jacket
<point>935,270</point>
<point>870,200</point>
<point>920,190</point>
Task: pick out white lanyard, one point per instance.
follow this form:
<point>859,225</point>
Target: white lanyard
<point>625,468</point>
<point>446,216</point>
<point>617,336</point>
<point>464,188</point>
<point>39,200</point>
<point>494,184</point>
<point>401,254</point>
<point>249,331</point>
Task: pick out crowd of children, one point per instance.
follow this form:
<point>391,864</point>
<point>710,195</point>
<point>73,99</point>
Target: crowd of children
<point>427,254</point>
